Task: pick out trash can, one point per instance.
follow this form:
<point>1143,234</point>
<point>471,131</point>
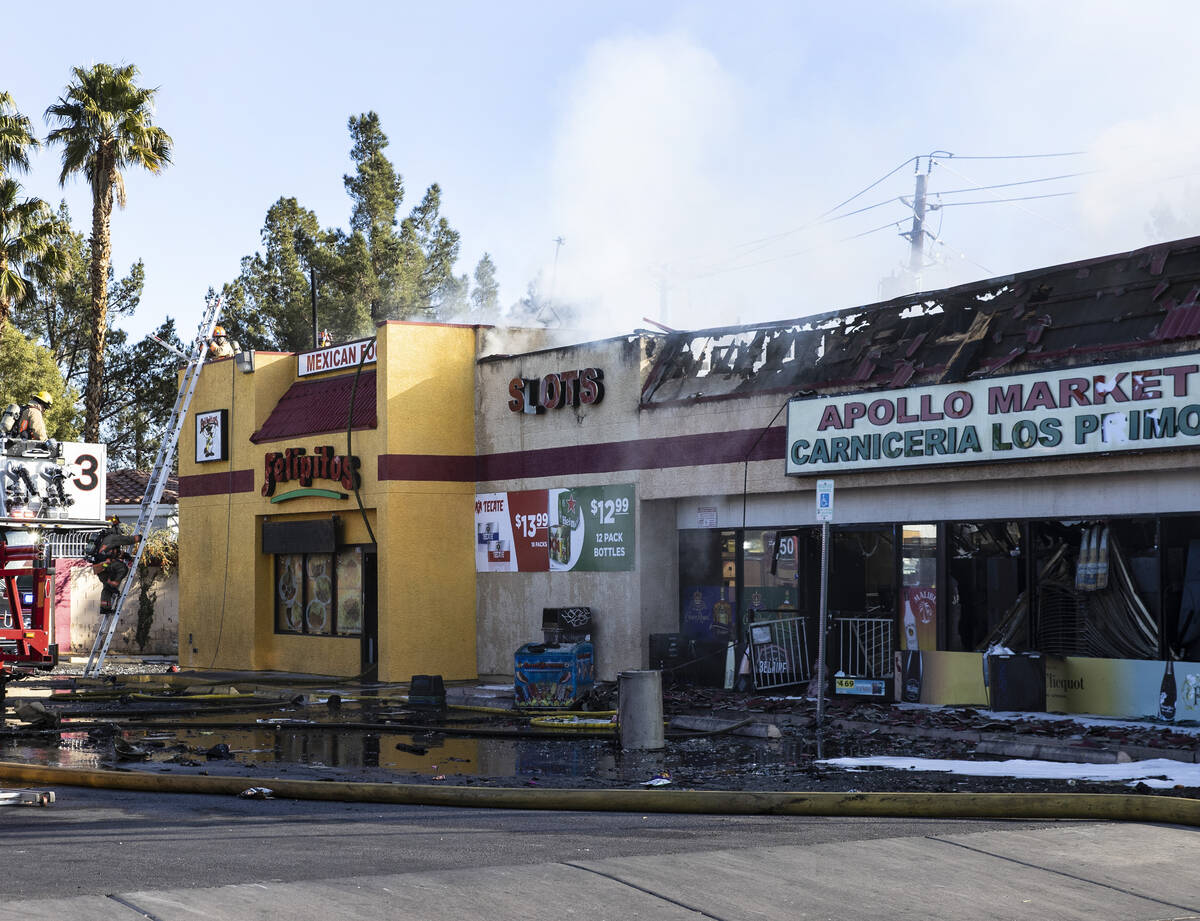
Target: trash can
<point>1017,681</point>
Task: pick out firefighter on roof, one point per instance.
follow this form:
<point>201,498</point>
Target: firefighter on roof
<point>220,346</point>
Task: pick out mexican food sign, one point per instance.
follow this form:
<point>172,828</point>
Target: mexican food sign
<point>1130,406</point>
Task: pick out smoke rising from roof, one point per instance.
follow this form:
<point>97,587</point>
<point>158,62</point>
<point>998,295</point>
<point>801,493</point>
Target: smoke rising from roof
<point>673,171</point>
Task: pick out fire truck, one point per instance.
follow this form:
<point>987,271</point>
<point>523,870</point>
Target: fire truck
<point>53,497</point>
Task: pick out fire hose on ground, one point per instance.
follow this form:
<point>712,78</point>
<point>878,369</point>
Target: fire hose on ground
<point>1132,807</point>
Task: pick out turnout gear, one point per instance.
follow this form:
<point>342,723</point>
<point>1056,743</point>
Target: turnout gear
<point>220,346</point>
<point>32,422</point>
<point>110,563</point>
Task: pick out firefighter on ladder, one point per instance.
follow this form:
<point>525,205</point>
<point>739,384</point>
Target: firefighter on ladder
<point>110,562</point>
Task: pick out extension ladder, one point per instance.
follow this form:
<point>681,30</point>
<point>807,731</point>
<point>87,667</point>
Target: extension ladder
<point>159,474</point>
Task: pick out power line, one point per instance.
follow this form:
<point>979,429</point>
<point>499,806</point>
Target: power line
<point>1000,201</point>
<point>1022,207</point>
<point>1007,185</point>
<point>868,188</point>
<point>1069,153</point>
<point>826,217</point>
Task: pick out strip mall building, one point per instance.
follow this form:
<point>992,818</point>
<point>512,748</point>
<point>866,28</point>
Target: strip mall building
<point>1012,466</point>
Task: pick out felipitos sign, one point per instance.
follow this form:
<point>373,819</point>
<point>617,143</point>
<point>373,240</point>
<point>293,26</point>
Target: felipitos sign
<point>1132,406</point>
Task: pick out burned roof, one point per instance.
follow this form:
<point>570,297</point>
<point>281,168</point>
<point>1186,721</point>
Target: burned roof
<point>1130,305</point>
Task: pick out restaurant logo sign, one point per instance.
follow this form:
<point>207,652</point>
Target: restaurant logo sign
<point>336,357</point>
<point>1115,407</point>
<point>556,390</point>
<point>296,464</point>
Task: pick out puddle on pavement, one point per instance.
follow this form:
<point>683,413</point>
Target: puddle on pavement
<point>429,754</point>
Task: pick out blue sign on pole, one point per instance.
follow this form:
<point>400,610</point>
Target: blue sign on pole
<point>824,500</point>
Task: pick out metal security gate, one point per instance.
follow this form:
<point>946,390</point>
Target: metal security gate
<point>866,647</point>
<point>779,652</point>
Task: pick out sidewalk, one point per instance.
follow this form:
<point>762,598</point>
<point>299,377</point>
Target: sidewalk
<point>1070,872</point>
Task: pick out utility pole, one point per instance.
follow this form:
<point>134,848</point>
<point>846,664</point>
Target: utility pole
<point>312,280</point>
<point>558,244</point>
<point>664,312</point>
<point>916,258</point>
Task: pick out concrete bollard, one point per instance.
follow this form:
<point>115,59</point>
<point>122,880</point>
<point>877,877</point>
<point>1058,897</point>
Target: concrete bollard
<point>640,709</point>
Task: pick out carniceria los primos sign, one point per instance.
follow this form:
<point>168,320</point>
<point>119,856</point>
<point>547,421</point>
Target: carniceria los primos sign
<point>1131,406</point>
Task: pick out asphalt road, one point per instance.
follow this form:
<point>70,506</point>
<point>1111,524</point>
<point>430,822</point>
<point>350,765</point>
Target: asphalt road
<point>101,855</point>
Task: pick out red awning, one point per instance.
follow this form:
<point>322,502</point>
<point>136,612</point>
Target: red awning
<point>314,407</point>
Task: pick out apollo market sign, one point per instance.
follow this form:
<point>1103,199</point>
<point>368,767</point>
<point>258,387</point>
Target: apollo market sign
<point>1130,406</point>
<point>336,357</point>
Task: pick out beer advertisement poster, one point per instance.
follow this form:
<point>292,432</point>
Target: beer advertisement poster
<point>511,532</point>
<point>584,529</point>
<point>592,529</point>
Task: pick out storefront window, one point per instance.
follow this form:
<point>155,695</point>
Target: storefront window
<point>985,585</point>
<point>349,593</point>
<point>862,572</point>
<point>918,564</point>
<point>707,583</point>
<point>319,594</point>
<point>289,597</point>
<point>780,571</point>
<point>1181,585</point>
<point>1098,588</point>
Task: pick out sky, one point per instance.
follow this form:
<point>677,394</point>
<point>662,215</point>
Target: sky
<point>697,160</point>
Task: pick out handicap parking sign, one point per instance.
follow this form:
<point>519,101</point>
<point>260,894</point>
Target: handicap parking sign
<point>824,500</point>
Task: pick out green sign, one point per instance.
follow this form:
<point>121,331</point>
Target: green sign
<point>592,529</point>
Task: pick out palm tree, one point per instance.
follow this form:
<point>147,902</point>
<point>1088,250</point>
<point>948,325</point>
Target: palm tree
<point>104,125</point>
<point>28,255</point>
<point>16,137</point>
<point>26,225</point>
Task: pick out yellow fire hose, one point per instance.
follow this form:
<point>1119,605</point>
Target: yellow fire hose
<point>1131,807</point>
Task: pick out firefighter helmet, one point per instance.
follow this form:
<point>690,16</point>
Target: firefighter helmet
<point>218,332</point>
<point>44,397</point>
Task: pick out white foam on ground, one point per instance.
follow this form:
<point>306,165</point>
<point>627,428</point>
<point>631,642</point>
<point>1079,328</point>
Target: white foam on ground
<point>1161,773</point>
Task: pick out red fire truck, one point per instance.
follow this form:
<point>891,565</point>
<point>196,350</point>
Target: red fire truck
<point>53,494</point>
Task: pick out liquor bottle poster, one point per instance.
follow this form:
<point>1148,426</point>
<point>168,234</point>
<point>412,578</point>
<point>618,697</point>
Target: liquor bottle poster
<point>706,611</point>
<point>920,617</point>
<point>592,528</point>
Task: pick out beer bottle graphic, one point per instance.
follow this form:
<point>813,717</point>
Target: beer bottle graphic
<point>910,676</point>
<point>1166,694</point>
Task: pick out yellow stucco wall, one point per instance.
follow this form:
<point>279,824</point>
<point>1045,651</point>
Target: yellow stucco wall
<point>427,577</point>
<point>423,528</point>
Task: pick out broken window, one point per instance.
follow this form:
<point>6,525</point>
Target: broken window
<point>985,581</point>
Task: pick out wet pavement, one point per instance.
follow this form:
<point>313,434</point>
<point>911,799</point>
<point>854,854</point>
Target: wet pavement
<point>302,727</point>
